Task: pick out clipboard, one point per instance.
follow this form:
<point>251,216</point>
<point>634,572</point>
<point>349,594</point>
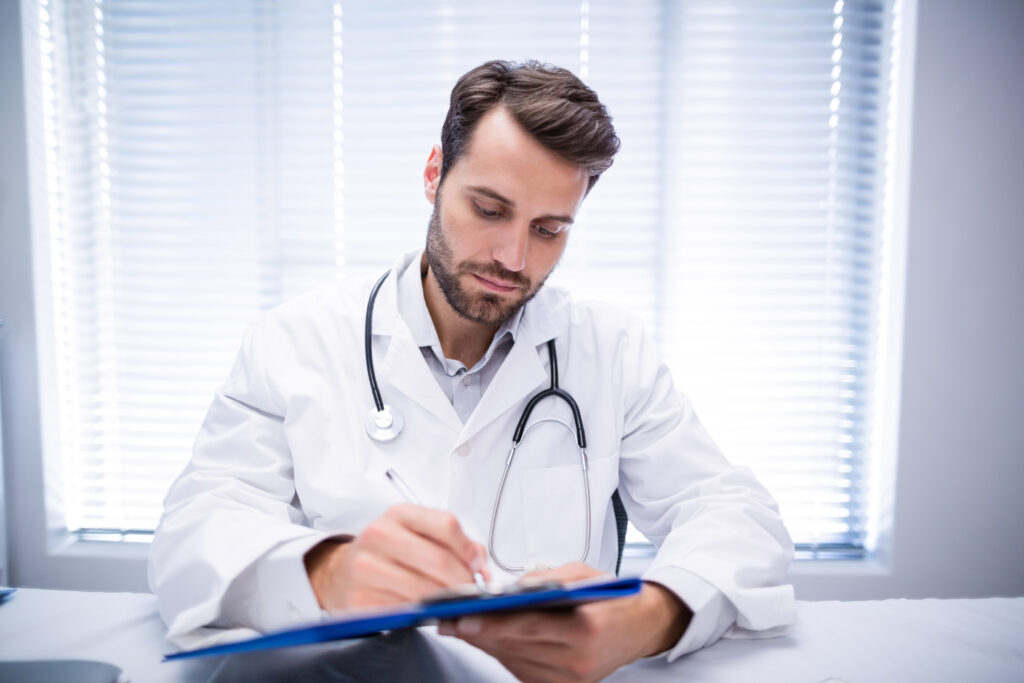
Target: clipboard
<point>449,605</point>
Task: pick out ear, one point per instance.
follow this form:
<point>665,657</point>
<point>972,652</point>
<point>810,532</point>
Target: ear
<point>432,174</point>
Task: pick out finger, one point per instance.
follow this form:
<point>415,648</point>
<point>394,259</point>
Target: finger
<point>556,628</point>
<point>532,648</point>
<point>379,581</point>
<point>443,528</point>
<point>440,527</point>
<point>400,545</point>
<point>575,571</point>
<point>530,663</point>
<point>480,562</point>
<point>546,661</point>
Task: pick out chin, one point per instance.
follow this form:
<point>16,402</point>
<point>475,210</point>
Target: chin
<point>491,310</point>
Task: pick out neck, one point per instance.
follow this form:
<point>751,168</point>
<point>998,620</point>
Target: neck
<point>461,339</point>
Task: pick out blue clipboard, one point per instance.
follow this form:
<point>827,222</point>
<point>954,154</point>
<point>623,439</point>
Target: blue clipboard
<point>447,606</point>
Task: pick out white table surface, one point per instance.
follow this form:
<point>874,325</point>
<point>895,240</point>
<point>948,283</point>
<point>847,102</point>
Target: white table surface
<point>892,640</point>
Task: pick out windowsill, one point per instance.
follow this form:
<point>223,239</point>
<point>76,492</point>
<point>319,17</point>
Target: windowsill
<point>67,562</point>
<point>865,566</point>
<point>71,546</point>
<point>637,558</point>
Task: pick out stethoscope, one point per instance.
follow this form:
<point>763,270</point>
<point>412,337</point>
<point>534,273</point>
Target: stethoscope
<point>384,423</point>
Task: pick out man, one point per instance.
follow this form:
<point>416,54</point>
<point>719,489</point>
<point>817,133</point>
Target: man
<point>286,510</point>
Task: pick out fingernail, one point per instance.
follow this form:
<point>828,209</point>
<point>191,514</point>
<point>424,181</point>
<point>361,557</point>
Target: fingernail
<point>537,565</point>
<point>469,626</point>
<point>478,565</point>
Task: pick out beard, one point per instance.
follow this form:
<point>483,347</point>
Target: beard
<point>484,308</point>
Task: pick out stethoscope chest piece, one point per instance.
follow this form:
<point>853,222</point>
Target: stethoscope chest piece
<point>384,425</point>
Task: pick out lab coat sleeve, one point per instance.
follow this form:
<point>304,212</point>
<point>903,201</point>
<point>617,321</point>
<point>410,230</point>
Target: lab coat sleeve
<point>228,550</point>
<point>722,546</point>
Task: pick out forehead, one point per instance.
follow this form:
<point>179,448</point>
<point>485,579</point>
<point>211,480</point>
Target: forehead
<point>505,158</point>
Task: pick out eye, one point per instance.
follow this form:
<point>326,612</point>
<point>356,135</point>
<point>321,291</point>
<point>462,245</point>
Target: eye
<point>548,233</point>
<point>487,213</point>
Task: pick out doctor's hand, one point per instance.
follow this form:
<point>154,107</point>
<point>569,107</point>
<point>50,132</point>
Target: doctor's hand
<point>586,643</point>
<point>404,555</point>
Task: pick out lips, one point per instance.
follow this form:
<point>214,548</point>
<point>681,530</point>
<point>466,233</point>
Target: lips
<point>493,285</point>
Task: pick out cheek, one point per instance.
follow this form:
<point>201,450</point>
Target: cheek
<point>547,254</point>
<point>469,239</point>
<point>460,226</point>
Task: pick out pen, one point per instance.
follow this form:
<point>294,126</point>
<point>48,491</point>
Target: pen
<point>407,493</point>
<point>402,487</point>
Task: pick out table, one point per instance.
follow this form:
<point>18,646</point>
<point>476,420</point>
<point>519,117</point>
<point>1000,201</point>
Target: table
<point>871,641</point>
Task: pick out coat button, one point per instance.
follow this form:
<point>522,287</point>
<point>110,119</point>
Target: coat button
<point>463,450</point>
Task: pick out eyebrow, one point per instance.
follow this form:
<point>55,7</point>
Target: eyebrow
<point>488,192</point>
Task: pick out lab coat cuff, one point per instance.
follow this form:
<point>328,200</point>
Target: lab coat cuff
<point>712,612</point>
<point>282,573</point>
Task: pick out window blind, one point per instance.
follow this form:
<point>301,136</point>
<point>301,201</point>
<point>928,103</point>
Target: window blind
<point>196,163</point>
<point>774,242</point>
<point>205,161</point>
<point>189,185</point>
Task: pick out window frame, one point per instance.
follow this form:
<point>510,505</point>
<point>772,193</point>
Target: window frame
<point>41,553</point>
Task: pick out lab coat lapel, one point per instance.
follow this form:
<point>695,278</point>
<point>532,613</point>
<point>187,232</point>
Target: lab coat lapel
<point>521,374</point>
<point>403,367</point>
<point>408,373</point>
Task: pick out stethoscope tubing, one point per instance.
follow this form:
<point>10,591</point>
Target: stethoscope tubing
<point>584,469</point>
<point>394,423</point>
<point>368,341</point>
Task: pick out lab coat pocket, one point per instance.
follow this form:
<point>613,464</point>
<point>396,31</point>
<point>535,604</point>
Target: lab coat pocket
<point>556,510</point>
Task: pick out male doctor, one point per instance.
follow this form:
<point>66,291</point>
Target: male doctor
<point>285,510</point>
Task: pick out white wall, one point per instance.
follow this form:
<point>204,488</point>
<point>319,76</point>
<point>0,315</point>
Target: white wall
<point>4,574</point>
<point>961,446</point>
<point>960,484</point>
<point>16,384</point>
<point>961,468</point>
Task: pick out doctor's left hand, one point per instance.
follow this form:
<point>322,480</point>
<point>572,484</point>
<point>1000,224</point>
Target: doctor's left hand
<point>586,643</point>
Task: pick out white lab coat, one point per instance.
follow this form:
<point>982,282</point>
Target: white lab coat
<point>283,461</point>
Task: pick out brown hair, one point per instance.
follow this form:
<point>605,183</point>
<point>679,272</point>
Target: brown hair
<point>551,104</point>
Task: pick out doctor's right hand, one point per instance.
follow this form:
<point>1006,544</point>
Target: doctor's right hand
<point>404,555</point>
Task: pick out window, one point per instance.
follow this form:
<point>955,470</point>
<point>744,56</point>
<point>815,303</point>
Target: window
<point>774,295</point>
<point>194,164</point>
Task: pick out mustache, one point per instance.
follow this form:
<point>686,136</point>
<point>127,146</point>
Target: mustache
<point>497,270</point>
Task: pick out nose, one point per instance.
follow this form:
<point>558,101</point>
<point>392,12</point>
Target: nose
<point>510,250</point>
